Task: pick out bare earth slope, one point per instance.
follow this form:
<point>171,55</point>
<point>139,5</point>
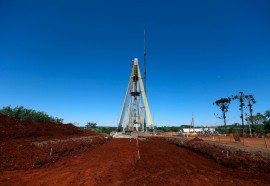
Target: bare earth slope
<point>116,163</point>
<point>27,144</point>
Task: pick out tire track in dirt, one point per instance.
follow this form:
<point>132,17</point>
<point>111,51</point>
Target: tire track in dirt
<point>103,165</point>
<point>115,163</point>
<point>165,164</point>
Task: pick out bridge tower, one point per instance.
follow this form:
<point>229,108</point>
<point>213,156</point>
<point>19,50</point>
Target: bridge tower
<point>138,116</point>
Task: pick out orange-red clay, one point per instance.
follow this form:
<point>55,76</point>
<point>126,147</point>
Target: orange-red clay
<point>117,163</point>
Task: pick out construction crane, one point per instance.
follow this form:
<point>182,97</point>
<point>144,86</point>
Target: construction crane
<point>192,123</point>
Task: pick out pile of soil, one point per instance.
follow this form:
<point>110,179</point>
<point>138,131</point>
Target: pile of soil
<point>241,158</point>
<point>194,140</point>
<point>11,128</point>
<point>29,154</point>
<point>29,144</point>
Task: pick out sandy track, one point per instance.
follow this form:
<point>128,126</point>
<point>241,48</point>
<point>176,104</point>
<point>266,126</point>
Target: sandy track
<point>116,163</point>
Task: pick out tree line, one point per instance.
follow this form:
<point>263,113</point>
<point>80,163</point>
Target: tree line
<point>21,113</point>
<point>245,102</point>
<point>99,129</point>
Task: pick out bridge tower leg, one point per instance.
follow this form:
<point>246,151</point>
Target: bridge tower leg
<point>136,119</point>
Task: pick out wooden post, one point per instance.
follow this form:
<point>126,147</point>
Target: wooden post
<point>265,142</point>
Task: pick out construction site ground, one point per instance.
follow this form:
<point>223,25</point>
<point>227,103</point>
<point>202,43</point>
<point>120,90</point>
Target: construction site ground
<point>117,163</point>
<point>61,155</point>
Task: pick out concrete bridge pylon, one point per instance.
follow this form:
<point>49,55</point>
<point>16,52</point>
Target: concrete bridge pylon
<point>138,117</point>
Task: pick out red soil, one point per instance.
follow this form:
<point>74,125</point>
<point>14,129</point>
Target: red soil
<point>28,144</point>
<point>193,140</point>
<point>57,154</point>
<point>117,163</point>
<point>13,129</point>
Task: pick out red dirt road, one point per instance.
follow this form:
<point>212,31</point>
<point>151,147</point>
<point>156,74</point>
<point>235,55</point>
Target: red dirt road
<point>116,163</point>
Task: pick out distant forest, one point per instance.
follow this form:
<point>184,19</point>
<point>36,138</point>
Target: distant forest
<point>261,122</point>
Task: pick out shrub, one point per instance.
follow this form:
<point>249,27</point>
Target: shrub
<point>21,113</point>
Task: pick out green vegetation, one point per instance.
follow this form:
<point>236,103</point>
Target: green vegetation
<point>93,126</point>
<point>250,100</point>
<point>261,125</point>
<point>245,102</point>
<point>261,122</point>
<point>223,105</point>
<point>21,113</point>
<point>100,129</point>
<point>169,129</point>
<point>267,121</point>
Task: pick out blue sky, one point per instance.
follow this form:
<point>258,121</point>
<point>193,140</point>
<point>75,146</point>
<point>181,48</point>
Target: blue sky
<point>72,59</point>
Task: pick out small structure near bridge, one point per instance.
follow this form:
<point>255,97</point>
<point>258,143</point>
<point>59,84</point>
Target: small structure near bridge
<point>202,130</point>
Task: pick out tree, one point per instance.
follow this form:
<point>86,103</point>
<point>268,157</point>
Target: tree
<point>267,121</point>
<point>259,119</point>
<point>267,114</point>
<point>223,105</point>
<point>91,125</point>
<point>234,128</point>
<point>251,100</point>
<point>260,122</point>
<point>241,99</point>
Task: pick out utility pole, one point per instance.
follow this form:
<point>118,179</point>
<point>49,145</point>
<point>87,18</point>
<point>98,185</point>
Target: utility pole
<point>192,123</point>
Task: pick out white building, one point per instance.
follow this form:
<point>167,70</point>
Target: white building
<point>203,130</point>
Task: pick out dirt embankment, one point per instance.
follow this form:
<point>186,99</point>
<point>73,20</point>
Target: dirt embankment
<point>230,156</point>
<point>14,129</point>
<point>28,144</point>
<point>64,155</point>
<point>117,163</point>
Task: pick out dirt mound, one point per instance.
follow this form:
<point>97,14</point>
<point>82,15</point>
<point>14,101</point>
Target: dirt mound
<point>28,144</point>
<point>229,156</point>
<point>193,140</point>
<point>29,154</point>
<point>14,129</point>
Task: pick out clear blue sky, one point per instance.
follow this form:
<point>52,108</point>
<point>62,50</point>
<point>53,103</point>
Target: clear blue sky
<point>72,59</point>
